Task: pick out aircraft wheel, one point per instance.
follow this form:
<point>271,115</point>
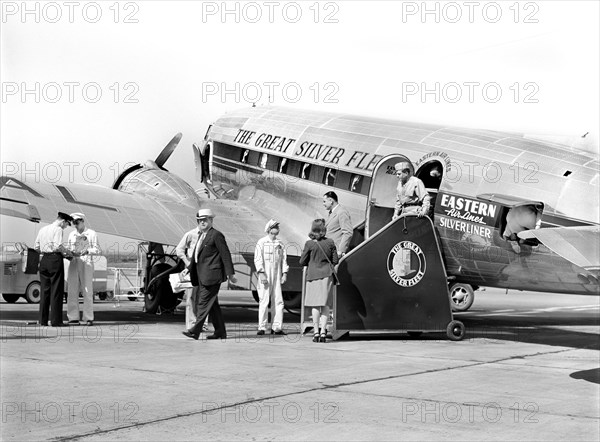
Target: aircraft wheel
<point>131,298</point>
<point>11,298</point>
<point>33,293</point>
<point>455,331</point>
<point>292,300</point>
<point>160,293</point>
<point>461,297</point>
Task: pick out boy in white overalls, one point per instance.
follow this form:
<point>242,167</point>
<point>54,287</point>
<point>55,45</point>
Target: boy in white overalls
<point>271,265</point>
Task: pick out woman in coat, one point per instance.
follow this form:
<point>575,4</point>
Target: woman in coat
<point>319,255</point>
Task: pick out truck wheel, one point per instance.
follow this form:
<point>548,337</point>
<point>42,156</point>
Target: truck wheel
<point>11,298</point>
<point>33,293</point>
<point>461,297</point>
<point>455,331</point>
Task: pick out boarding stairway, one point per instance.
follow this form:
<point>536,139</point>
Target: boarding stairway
<point>393,280</point>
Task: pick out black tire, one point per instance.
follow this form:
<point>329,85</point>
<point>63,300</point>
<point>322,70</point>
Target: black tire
<point>33,293</point>
<point>455,330</point>
<point>160,294</point>
<point>131,298</point>
<point>11,298</point>
<point>461,297</point>
<point>255,296</point>
<point>292,300</point>
<point>102,296</point>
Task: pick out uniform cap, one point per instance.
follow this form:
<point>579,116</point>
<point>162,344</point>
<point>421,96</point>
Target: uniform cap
<point>65,216</point>
<point>78,215</point>
<point>205,213</point>
<point>403,165</point>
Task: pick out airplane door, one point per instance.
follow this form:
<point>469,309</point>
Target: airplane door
<point>382,194</point>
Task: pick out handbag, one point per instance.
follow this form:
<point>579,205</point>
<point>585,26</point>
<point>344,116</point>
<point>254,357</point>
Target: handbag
<point>334,275</point>
<point>180,281</point>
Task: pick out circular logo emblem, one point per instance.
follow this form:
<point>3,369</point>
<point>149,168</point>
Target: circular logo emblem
<point>406,264</point>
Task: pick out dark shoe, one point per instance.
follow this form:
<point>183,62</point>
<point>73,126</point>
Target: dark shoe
<point>316,337</point>
<point>89,323</point>
<point>280,332</point>
<point>272,331</point>
<point>260,332</point>
<point>73,322</point>
<point>216,337</point>
<point>189,335</point>
<point>323,337</point>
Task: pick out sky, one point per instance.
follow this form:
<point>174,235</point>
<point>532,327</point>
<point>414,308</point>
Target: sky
<point>92,87</point>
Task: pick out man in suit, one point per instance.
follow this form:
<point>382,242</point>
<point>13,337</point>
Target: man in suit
<point>210,265</point>
<point>49,243</point>
<point>338,223</point>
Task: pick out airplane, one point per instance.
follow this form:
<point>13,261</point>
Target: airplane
<point>268,162</point>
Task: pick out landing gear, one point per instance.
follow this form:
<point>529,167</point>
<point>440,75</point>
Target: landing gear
<point>461,297</point>
<point>159,293</point>
<point>455,330</point>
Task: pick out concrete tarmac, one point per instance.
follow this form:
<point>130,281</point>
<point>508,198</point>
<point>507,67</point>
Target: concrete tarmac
<point>528,369</point>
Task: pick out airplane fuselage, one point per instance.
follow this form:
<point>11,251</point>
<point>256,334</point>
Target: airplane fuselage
<point>282,161</point>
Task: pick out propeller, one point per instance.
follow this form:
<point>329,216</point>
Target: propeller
<point>168,150</point>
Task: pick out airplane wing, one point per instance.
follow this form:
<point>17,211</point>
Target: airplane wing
<point>109,211</point>
<point>131,215</point>
<point>579,245</point>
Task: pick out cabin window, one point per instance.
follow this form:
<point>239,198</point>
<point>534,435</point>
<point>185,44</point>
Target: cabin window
<point>305,171</point>
<point>355,184</point>
<point>283,165</point>
<point>294,168</point>
<point>263,160</point>
<point>226,151</point>
<point>244,156</point>
<point>329,176</point>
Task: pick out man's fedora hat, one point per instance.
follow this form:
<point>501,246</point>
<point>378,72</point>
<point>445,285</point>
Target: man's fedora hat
<point>205,213</point>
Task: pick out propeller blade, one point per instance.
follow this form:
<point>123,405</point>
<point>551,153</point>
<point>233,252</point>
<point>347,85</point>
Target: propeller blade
<point>168,150</point>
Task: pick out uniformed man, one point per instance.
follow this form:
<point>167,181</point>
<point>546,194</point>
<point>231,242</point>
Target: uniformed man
<point>83,243</point>
<point>49,242</point>
<point>411,197</point>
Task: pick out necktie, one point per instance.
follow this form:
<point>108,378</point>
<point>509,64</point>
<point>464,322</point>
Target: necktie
<point>198,244</point>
